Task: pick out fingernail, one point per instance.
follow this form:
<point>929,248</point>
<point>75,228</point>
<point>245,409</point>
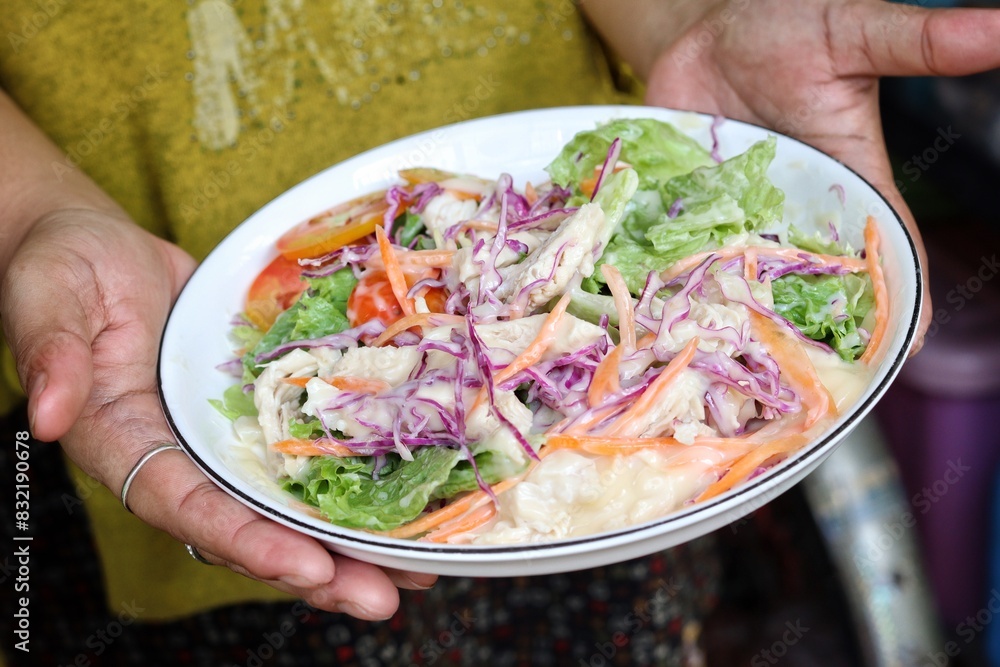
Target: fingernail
<point>298,581</point>
<point>360,611</point>
<point>35,391</point>
<point>416,585</point>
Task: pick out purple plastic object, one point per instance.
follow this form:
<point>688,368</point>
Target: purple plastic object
<point>942,419</point>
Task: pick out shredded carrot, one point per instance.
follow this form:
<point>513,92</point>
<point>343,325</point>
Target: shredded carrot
<point>682,266</point>
<point>470,521</point>
<point>358,384</point>
<point>462,195</point>
<point>881,292</point>
<point>530,193</point>
<point>416,320</point>
<point>416,260</point>
<point>750,265</point>
<point>610,446</point>
<point>645,341</point>
<point>628,423</point>
<point>795,367</point>
<point>346,382</point>
<point>319,447</point>
<point>607,377</point>
<point>478,225</point>
<point>533,352</point>
<point>452,510</point>
<point>745,466</point>
<point>392,269</point>
<point>623,304</point>
<point>588,185</point>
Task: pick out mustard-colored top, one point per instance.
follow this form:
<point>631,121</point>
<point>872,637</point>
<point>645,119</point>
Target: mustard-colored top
<point>194,114</point>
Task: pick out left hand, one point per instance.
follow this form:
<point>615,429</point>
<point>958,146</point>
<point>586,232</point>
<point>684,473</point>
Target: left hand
<point>810,69</point>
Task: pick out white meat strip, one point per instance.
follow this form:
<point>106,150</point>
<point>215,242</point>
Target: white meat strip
<point>277,401</point>
<point>576,237</point>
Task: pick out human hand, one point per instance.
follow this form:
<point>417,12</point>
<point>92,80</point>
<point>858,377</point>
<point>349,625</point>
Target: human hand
<point>83,304</point>
<point>810,69</point>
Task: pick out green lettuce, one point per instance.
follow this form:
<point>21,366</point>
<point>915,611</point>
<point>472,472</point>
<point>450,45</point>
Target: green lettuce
<point>657,151</point>
<point>817,242</point>
<point>348,494</point>
<point>826,308</point>
<point>308,430</point>
<point>235,403</point>
<point>714,202</point>
<point>321,311</point>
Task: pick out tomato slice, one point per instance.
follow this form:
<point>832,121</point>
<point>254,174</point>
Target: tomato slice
<point>273,291</point>
<point>373,298</point>
<point>419,175</point>
<point>338,227</point>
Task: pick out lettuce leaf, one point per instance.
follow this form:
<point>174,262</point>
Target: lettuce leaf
<point>826,308</point>
<point>307,430</point>
<point>235,403</point>
<point>819,243</point>
<point>656,150</point>
<point>714,202</point>
<point>321,311</point>
<point>347,493</point>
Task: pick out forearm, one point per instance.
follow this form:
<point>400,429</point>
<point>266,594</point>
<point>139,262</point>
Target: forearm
<point>35,180</point>
<point>639,30</point>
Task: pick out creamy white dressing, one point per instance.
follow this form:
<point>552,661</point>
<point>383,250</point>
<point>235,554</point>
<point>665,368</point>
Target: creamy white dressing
<point>845,382</point>
<point>571,494</point>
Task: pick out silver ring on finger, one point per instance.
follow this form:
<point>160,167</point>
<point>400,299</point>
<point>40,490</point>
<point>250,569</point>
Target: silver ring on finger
<point>143,460</point>
<point>193,551</point>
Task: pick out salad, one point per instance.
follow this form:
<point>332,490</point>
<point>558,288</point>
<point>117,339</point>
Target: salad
<point>464,360</point>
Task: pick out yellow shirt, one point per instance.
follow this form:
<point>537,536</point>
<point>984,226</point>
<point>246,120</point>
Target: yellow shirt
<point>194,114</point>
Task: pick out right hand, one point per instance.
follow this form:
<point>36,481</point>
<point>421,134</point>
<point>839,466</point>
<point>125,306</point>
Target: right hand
<point>83,303</point>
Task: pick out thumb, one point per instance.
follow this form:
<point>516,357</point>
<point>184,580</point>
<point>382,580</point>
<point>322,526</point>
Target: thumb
<point>894,39</point>
<point>50,330</point>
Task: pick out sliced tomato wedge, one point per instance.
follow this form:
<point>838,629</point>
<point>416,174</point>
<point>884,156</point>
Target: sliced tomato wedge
<point>340,226</point>
<point>373,298</point>
<point>273,291</point>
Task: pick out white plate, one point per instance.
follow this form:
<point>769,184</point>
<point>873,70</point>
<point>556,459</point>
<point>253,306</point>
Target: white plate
<point>195,338</point>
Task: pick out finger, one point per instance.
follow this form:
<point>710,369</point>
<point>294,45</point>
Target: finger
<point>893,39</point>
<point>172,494</point>
<point>52,346</point>
<point>413,581</point>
